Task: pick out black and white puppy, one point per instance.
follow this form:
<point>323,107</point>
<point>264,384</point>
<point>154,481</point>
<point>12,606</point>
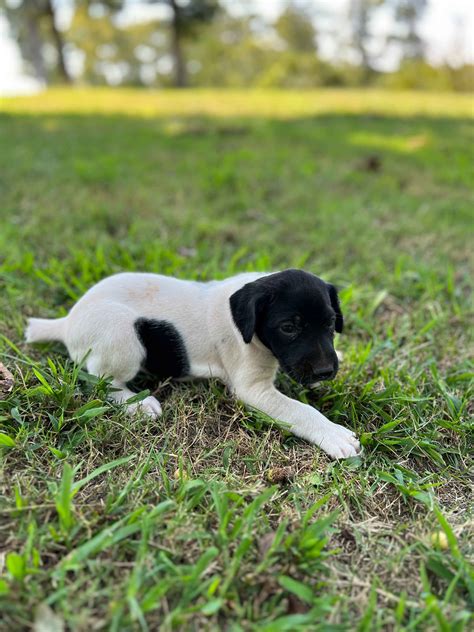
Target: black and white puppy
<point>238,330</point>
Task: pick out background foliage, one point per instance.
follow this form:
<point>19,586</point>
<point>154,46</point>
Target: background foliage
<point>206,43</point>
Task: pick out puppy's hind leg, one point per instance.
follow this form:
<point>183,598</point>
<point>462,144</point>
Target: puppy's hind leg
<point>105,332</point>
<point>120,393</point>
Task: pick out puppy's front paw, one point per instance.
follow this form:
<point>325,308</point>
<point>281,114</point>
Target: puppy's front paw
<point>149,406</point>
<point>340,443</point>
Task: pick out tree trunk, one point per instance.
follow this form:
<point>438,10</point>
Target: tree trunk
<point>180,75</point>
<point>366,65</point>
<point>58,44</point>
<point>34,48</point>
<point>360,17</point>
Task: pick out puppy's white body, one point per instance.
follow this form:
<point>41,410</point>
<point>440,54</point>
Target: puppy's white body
<point>101,326</point>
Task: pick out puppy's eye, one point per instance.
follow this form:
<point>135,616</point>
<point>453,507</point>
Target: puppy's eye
<point>289,329</point>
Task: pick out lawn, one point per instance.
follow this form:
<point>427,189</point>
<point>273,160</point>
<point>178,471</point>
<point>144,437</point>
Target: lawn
<point>212,518</point>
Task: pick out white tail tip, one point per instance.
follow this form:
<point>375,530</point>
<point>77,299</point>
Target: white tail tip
<point>44,330</point>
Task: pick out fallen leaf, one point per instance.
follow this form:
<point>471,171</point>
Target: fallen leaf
<point>296,606</point>
<point>280,474</point>
<point>371,163</point>
<point>6,381</point>
<point>265,542</point>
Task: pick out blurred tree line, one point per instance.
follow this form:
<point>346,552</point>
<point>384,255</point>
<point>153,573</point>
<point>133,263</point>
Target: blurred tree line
<point>203,43</point>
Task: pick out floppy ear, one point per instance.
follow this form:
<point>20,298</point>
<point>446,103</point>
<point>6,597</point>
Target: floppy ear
<point>245,305</point>
<point>336,307</point>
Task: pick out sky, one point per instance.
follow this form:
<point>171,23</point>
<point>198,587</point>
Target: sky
<point>447,29</point>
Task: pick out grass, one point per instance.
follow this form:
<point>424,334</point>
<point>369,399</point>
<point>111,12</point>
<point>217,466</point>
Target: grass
<point>211,518</point>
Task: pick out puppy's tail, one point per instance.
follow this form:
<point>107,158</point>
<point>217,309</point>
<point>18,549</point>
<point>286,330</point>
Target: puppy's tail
<point>43,330</point>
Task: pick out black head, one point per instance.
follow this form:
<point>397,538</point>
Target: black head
<point>295,315</point>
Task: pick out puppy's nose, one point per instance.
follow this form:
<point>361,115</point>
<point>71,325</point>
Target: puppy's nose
<point>324,373</point>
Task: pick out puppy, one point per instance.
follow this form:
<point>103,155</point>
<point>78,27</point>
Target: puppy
<point>239,330</point>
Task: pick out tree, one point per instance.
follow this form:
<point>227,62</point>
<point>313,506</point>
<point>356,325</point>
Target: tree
<point>34,25</point>
<point>185,15</point>
<point>295,28</point>
<point>360,14</point>
<point>408,14</point>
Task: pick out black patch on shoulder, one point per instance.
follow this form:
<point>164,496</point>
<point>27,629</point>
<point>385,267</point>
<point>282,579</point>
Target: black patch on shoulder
<point>165,351</point>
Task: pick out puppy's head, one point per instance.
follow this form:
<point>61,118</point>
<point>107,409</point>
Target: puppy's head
<point>295,315</point>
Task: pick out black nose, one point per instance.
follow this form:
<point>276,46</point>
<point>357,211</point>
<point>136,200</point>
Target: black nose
<point>324,373</point>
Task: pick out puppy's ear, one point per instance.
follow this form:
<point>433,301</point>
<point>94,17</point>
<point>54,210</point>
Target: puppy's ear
<point>336,307</point>
<point>245,305</point>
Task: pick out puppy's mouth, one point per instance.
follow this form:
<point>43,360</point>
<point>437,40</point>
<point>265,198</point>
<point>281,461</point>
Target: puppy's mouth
<point>313,382</point>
